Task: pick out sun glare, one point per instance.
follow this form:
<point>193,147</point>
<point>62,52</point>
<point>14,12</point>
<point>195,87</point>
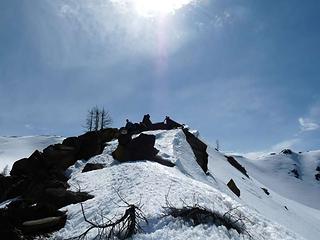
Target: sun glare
<point>158,7</point>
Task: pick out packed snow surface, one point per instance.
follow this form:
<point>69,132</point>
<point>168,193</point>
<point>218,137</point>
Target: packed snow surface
<point>148,184</point>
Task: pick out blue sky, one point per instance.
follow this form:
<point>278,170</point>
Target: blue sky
<point>244,72</point>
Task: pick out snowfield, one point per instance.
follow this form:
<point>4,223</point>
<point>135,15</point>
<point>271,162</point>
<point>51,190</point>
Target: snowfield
<point>291,211</point>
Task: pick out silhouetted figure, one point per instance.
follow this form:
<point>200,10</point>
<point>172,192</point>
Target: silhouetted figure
<point>146,122</point>
<point>171,124</point>
<point>129,125</point>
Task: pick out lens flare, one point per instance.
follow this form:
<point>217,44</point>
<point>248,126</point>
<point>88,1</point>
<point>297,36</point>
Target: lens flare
<point>158,7</point>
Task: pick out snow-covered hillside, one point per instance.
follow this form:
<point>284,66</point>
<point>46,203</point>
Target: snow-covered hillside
<point>292,175</point>
<point>14,148</point>
<point>272,216</point>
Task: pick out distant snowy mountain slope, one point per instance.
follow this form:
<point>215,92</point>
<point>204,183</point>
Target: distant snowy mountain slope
<point>291,175</point>
<point>14,148</point>
<point>268,216</point>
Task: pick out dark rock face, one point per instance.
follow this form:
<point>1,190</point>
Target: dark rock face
<point>59,156</point>
<point>318,168</point>
<point>233,187</point>
<point>265,191</point>
<point>317,176</point>
<point>237,165</point>
<point>34,166</point>
<point>92,166</point>
<point>286,151</point>
<point>139,148</point>
<point>199,149</point>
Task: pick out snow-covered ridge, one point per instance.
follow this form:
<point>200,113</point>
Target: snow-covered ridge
<point>271,216</point>
<point>284,214</point>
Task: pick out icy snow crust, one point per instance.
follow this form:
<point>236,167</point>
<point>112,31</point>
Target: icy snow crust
<point>149,183</point>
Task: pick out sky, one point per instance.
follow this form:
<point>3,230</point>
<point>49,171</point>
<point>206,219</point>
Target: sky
<point>244,72</point>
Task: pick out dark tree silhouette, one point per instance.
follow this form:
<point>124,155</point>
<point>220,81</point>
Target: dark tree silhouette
<point>97,119</point>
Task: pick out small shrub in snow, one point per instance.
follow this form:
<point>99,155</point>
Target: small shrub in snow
<point>197,214</point>
<point>123,227</point>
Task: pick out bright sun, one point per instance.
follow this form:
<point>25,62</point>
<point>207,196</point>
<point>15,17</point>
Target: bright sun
<point>158,7</point>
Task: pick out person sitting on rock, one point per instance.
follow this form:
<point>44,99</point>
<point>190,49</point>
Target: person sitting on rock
<point>147,122</point>
<point>129,125</point>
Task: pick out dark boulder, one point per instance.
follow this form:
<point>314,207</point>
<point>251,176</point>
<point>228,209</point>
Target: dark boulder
<point>199,149</point>
<point>59,156</point>
<point>43,225</point>
<point>317,176</point>
<point>233,187</point>
<point>318,168</point>
<point>60,197</point>
<point>92,166</point>
<point>237,165</point>
<point>139,148</point>
<point>108,134</point>
<point>91,144</point>
<point>34,166</point>
<point>72,142</point>
<point>265,191</point>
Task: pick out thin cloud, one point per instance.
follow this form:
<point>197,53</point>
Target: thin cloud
<point>307,124</point>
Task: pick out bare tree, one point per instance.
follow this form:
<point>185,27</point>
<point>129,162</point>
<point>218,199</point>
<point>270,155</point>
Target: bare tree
<point>106,119</point>
<point>97,119</point>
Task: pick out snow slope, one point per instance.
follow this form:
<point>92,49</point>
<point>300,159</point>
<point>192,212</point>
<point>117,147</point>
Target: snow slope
<point>149,183</point>
<point>275,171</point>
<point>15,148</point>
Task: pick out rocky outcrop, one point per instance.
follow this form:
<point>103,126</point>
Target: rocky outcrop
<point>265,191</point>
<point>237,165</point>
<point>40,180</point>
<point>233,187</point>
<point>92,166</point>
<point>199,149</point>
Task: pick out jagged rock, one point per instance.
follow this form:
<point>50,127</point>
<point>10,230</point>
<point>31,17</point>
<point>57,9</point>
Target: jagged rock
<point>317,176</point>
<point>139,148</point>
<point>92,166</point>
<point>233,187</point>
<point>272,153</point>
<point>199,149</point>
<point>91,144</point>
<point>237,165</point>
<point>72,142</point>
<point>286,151</point>
<point>60,197</point>
<point>318,168</point>
<point>34,166</point>
<point>265,191</point>
<point>59,156</point>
